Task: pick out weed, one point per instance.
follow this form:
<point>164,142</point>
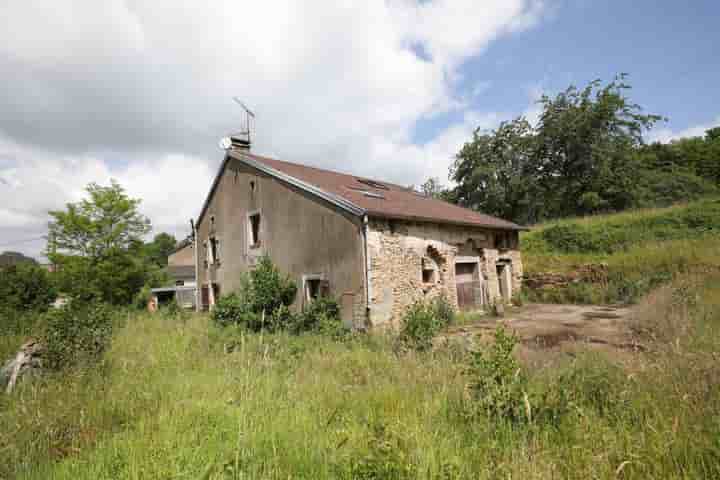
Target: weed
<point>497,382</point>
<point>75,333</point>
<point>422,321</point>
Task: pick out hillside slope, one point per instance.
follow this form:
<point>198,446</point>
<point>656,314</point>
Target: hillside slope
<point>636,251</point>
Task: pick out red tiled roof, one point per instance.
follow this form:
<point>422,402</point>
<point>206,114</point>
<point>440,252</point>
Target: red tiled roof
<point>382,199</point>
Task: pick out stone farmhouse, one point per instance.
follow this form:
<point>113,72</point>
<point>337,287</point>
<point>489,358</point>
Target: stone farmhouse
<point>374,246</point>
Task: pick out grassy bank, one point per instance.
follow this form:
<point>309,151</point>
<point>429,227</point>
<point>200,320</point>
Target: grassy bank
<point>177,398</point>
<point>642,250</point>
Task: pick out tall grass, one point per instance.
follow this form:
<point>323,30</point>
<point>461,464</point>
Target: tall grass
<point>169,401</point>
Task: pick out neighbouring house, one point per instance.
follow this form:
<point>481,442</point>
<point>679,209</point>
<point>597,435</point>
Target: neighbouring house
<point>181,269</point>
<point>184,253</point>
<point>375,246</point>
<point>181,263</point>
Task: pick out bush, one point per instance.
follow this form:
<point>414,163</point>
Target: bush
<point>76,333</point>
<point>423,321</point>
<point>262,301</point>
<point>229,310</point>
<point>26,286</point>
<point>266,289</point>
<point>321,315</point>
<point>498,384</point>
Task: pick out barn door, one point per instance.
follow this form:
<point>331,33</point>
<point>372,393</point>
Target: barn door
<point>468,285</point>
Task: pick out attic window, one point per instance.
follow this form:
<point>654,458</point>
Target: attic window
<point>254,229</point>
<point>373,195</point>
<point>372,183</point>
<point>252,185</point>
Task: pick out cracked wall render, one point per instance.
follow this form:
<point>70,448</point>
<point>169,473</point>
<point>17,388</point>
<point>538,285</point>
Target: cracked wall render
<point>396,250</point>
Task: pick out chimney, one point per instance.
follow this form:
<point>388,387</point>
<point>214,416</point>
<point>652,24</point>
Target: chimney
<point>240,142</point>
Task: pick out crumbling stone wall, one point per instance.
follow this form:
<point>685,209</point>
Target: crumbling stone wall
<point>396,250</point>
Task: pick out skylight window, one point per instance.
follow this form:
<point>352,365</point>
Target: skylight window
<point>373,195</point>
<point>372,183</point>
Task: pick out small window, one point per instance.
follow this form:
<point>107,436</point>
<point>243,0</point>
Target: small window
<point>179,283</point>
<point>252,186</point>
<point>312,288</point>
<point>428,271</point>
<point>254,227</point>
<point>501,240</point>
<point>214,250</point>
<point>315,287</point>
<point>428,275</point>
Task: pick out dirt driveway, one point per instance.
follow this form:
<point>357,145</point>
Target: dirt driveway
<point>548,331</point>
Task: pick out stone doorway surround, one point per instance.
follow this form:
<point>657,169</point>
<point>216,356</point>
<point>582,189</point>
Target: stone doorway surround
<point>469,283</point>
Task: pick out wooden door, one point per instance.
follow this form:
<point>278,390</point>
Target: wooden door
<point>467,284</point>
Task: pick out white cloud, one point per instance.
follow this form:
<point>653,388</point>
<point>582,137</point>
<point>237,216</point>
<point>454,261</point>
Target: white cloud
<point>140,91</point>
<point>666,135</point>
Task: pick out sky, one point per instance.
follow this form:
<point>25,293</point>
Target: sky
<point>141,92</point>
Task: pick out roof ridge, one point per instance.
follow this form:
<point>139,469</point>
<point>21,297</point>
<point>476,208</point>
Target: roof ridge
<point>327,170</point>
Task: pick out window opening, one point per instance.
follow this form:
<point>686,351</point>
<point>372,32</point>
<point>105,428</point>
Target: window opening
<point>428,271</point>
<point>254,230</point>
<point>312,288</point>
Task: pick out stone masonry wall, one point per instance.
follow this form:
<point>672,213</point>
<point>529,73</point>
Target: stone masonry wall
<point>396,250</point>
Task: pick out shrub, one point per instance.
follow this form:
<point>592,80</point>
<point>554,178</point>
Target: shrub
<point>26,286</point>
<point>261,302</point>
<point>322,315</point>
<point>498,384</point>
<point>75,333</point>
<point>423,321</point>
<point>444,310</point>
<point>265,289</point>
<point>228,310</point>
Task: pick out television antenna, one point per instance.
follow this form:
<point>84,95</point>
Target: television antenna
<point>241,139</point>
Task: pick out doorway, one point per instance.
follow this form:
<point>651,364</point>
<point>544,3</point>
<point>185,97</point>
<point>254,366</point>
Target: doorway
<point>504,280</point>
<point>467,282</point>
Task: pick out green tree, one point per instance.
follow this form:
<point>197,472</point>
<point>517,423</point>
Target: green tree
<point>96,244</point>
<point>26,286</point>
<point>495,171</point>
<point>162,245</point>
<point>578,159</point>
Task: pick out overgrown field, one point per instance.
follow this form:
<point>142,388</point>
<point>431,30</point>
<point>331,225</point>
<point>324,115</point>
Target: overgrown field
<point>641,250</point>
<point>178,397</point>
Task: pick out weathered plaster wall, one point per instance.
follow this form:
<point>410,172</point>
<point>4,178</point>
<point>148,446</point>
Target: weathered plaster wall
<point>184,256</point>
<point>396,249</point>
<point>302,236</point>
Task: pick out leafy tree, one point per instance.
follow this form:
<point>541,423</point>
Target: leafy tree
<point>26,286</point>
<point>579,158</point>
<point>96,244</point>
<point>495,172</point>
<point>162,245</point>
